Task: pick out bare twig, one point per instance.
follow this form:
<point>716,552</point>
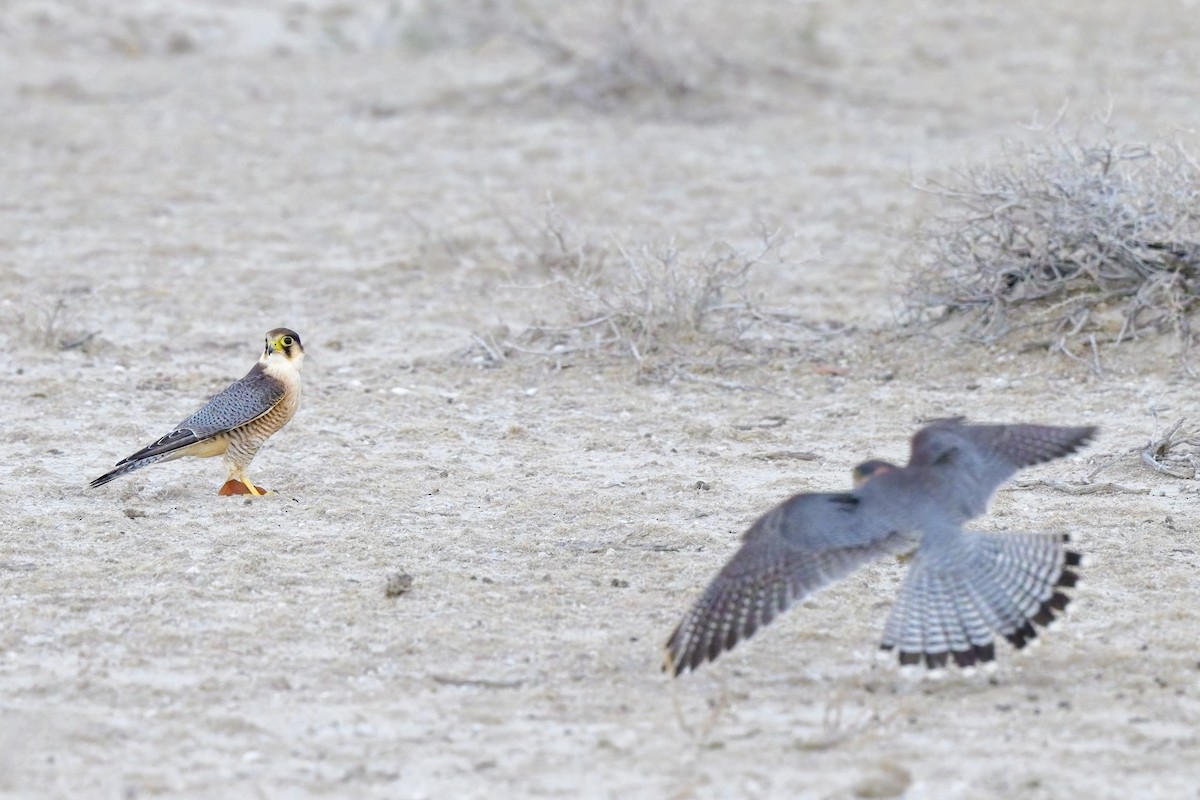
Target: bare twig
<point>1080,487</point>
<point>482,683</point>
<point>787,455</point>
<point>1156,452</point>
<point>494,352</point>
<point>698,735</point>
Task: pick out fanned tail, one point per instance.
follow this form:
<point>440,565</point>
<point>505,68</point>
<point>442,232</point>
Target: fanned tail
<point>996,583</point>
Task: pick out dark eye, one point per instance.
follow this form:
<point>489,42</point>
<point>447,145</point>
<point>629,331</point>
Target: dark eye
<point>288,341</point>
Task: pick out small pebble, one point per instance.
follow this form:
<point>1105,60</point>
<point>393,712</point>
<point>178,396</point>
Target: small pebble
<point>398,583</point>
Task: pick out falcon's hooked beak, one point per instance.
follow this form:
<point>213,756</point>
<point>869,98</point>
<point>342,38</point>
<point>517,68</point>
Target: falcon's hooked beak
<point>869,469</point>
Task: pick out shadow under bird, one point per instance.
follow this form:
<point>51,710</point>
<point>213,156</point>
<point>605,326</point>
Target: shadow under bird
<point>236,422</point>
<point>962,586</point>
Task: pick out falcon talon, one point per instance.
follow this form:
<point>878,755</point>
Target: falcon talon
<point>964,589</point>
<point>236,422</point>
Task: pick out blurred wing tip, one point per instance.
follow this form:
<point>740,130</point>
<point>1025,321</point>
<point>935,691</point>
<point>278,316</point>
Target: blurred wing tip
<point>1087,434</point>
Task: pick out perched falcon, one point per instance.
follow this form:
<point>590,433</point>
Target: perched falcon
<point>962,586</point>
<point>236,422</point>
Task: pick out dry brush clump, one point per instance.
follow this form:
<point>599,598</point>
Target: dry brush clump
<point>636,58</point>
<point>1081,243</point>
<point>661,58</point>
<point>625,57</point>
<point>53,326</point>
<point>666,308</point>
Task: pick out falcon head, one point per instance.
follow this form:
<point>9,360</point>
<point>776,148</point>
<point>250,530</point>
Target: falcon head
<point>284,343</point>
<point>869,469</point>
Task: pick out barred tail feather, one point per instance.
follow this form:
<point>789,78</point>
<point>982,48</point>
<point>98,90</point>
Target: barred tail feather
<point>125,467</point>
<point>995,583</point>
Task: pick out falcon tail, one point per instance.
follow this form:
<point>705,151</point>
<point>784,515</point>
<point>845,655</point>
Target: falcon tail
<point>1006,583</point>
<point>127,466</point>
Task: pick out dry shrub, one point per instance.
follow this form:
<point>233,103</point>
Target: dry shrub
<point>665,307</point>
<point>664,59</point>
<point>619,51</point>
<point>625,57</point>
<point>636,58</point>
<point>432,25</point>
<point>55,326</point>
<point>1091,243</point>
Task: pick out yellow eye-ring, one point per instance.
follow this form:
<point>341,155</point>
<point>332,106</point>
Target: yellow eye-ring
<point>287,341</point>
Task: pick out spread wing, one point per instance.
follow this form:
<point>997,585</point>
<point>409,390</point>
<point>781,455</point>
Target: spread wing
<point>977,459</point>
<point>241,402</point>
<point>797,547</point>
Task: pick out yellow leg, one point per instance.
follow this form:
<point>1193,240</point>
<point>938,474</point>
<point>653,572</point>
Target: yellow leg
<point>253,489</point>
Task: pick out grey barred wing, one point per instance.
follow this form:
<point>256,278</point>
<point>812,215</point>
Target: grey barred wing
<point>798,547</point>
<point>979,458</point>
<point>240,403</point>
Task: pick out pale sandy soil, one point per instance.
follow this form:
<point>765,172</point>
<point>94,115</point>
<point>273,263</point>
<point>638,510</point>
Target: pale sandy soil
<point>177,178</point>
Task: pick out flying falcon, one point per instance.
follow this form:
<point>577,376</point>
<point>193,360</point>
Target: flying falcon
<point>962,586</point>
<point>236,422</point>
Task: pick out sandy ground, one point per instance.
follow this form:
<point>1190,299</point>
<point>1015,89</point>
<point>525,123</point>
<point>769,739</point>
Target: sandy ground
<point>177,178</point>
